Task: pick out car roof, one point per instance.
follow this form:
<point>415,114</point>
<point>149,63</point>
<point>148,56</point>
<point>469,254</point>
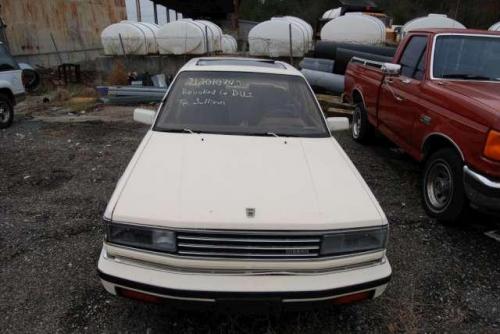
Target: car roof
<point>456,31</point>
<point>240,64</point>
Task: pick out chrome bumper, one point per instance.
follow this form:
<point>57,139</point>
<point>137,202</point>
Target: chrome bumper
<point>483,192</point>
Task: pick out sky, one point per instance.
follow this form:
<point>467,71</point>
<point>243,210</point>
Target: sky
<point>147,12</point>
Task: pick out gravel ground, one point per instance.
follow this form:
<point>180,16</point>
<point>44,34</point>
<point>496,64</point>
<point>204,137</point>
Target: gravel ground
<point>56,178</point>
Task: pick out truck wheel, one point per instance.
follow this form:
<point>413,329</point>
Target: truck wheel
<point>361,129</point>
<point>6,112</point>
<point>443,187</point>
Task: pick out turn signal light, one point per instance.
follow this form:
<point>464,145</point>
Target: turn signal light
<point>492,147</point>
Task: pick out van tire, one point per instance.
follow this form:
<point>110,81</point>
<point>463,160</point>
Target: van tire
<point>443,190</point>
<point>361,129</point>
<point>6,111</point>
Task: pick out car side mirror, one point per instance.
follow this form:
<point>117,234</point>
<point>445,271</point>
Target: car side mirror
<point>145,116</point>
<point>391,69</point>
<point>337,123</point>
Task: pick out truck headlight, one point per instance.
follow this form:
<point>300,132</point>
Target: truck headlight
<point>148,238</point>
<point>354,241</point>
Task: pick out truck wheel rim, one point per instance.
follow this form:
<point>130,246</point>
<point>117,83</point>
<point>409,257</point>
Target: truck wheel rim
<point>4,113</point>
<point>356,123</point>
<point>439,186</point>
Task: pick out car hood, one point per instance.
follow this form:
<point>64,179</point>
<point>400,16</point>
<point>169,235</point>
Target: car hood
<point>485,93</point>
<point>209,182</point>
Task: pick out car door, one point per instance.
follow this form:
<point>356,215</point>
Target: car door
<point>399,102</point>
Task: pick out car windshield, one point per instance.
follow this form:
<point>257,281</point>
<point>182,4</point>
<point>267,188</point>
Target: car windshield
<point>241,103</point>
<point>467,58</point>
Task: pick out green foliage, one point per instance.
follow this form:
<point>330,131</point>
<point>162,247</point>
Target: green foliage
<point>472,13</point>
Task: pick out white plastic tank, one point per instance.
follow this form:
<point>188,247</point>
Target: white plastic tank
<point>272,39</point>
<point>431,21</point>
<point>214,35</point>
<point>495,27</point>
<point>332,13</point>
<point>354,28</point>
<point>182,37</point>
<point>307,27</point>
<point>304,33</point>
<point>138,38</point>
<point>229,44</point>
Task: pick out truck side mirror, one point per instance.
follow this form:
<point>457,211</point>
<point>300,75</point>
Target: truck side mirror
<point>144,116</point>
<point>391,69</point>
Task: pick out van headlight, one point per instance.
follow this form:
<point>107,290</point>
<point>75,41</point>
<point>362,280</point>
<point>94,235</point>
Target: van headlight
<point>354,241</point>
<point>148,238</point>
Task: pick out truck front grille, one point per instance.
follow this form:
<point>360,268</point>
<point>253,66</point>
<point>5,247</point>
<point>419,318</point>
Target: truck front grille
<point>249,245</point>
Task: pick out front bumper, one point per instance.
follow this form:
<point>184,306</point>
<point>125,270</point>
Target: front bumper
<point>219,287</point>
<point>483,192</point>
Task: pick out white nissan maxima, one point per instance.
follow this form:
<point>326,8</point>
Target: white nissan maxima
<point>239,192</point>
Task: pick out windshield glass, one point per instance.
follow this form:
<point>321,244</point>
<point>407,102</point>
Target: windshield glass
<point>467,58</point>
<point>241,104</point>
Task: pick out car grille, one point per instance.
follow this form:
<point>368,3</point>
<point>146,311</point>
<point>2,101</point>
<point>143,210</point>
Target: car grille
<point>249,245</point>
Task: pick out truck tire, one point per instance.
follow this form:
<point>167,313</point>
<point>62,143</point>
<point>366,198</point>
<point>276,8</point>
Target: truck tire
<point>443,187</point>
<point>361,129</point>
<point>6,112</point>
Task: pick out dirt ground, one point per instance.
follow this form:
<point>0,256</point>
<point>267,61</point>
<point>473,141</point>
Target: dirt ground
<point>59,168</point>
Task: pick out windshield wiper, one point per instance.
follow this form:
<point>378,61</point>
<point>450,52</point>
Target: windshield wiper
<point>467,76</point>
<point>179,131</point>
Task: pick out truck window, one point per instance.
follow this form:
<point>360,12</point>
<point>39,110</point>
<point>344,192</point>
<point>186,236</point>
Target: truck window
<point>413,59</point>
<point>466,57</point>
<point>7,63</point>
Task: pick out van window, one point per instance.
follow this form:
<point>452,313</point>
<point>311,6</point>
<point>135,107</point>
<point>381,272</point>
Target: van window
<point>413,59</point>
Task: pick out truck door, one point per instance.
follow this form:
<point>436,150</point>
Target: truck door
<point>399,101</point>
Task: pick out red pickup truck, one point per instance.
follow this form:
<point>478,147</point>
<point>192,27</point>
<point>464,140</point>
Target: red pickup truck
<point>439,100</point>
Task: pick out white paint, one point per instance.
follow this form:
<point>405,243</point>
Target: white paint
<point>332,14</point>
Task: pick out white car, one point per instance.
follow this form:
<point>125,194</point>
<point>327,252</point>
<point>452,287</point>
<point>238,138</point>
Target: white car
<point>239,192</point>
<point>11,87</point>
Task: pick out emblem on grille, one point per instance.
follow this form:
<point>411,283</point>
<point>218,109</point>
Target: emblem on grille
<point>250,212</point>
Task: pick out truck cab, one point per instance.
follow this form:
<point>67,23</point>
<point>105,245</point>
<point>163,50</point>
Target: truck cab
<point>11,86</point>
<point>439,100</point>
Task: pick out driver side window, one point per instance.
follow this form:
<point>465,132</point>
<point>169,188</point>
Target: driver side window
<point>413,59</point>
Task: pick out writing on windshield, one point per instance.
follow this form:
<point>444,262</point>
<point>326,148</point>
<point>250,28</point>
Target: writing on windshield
<point>241,103</point>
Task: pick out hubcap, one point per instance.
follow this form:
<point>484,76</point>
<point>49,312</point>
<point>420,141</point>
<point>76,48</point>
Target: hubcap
<point>4,113</point>
<point>439,186</point>
<point>356,123</point>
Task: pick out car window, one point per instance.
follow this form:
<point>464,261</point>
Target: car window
<point>413,59</point>
<point>467,58</point>
<point>7,63</point>
<point>242,104</point>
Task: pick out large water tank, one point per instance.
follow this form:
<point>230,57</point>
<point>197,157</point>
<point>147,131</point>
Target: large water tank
<point>332,13</point>
<point>137,38</point>
<point>431,21</point>
<point>272,39</point>
<point>307,27</point>
<point>182,37</point>
<point>214,35</point>
<point>354,28</point>
<point>304,33</point>
<point>495,27</point>
<point>229,44</point>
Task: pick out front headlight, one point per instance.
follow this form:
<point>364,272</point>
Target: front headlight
<point>148,238</point>
<point>355,241</point>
